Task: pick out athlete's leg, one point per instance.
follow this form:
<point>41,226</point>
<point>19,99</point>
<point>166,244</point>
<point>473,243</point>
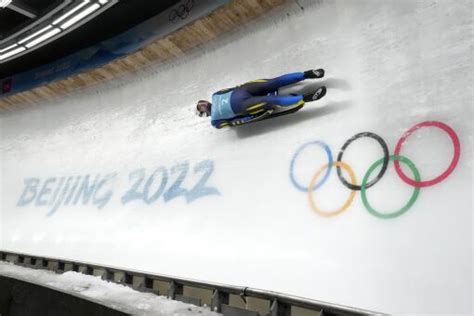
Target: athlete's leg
<point>265,86</point>
<point>256,105</point>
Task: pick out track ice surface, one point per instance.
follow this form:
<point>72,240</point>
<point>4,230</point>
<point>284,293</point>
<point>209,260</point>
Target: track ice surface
<point>389,66</point>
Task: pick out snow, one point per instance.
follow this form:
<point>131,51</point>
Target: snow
<point>106,293</point>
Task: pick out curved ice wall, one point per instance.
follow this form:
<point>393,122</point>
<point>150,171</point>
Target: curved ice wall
<point>127,175</point>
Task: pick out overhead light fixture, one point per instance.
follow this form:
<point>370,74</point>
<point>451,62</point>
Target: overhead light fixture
<point>65,23</point>
<point>8,48</point>
<point>5,3</point>
<point>80,16</point>
<point>71,12</point>
<point>43,37</point>
<point>12,52</point>
<point>26,39</point>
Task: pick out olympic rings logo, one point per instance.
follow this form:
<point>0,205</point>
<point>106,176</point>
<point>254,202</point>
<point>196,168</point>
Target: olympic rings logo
<point>415,181</point>
<point>181,11</point>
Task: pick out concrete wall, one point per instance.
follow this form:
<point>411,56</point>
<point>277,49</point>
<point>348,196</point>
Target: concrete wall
<point>237,214</point>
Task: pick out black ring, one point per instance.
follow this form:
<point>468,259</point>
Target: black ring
<point>386,159</point>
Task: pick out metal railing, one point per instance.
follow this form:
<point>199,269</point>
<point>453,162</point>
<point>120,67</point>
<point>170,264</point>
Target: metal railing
<point>226,299</point>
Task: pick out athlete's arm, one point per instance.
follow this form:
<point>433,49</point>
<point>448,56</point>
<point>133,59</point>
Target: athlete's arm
<point>241,120</point>
<point>232,122</point>
<point>251,118</point>
<point>220,123</point>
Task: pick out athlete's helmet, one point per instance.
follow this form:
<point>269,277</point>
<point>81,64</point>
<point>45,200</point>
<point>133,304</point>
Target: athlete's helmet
<point>203,107</point>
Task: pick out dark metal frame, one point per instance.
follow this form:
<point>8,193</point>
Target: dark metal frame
<point>280,304</point>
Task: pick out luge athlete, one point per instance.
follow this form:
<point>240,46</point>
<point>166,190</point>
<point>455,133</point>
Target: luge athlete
<point>256,99</point>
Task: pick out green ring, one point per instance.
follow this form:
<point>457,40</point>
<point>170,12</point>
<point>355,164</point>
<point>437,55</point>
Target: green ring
<point>413,197</point>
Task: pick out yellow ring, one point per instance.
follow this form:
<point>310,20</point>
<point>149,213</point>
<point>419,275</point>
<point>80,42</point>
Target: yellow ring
<point>348,202</point>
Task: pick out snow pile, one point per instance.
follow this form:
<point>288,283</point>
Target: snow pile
<point>107,293</point>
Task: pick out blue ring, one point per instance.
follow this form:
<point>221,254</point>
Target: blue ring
<point>326,175</point>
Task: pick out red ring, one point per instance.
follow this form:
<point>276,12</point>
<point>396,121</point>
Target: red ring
<point>457,153</point>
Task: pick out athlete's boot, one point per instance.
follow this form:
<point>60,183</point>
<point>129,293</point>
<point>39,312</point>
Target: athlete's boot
<point>314,74</point>
<point>313,96</point>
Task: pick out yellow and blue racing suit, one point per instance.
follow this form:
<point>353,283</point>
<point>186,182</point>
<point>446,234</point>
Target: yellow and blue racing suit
<point>251,99</point>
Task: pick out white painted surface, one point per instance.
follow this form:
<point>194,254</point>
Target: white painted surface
<point>390,65</point>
